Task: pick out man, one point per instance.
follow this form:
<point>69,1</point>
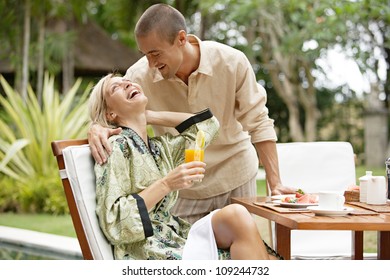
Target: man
<point>179,72</point>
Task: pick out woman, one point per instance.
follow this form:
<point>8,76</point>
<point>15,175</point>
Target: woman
<point>139,184</point>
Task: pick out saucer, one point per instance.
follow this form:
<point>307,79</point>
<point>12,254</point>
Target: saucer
<point>328,212</point>
<point>293,205</point>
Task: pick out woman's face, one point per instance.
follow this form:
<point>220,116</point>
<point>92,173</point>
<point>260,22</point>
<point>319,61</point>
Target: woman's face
<point>123,97</point>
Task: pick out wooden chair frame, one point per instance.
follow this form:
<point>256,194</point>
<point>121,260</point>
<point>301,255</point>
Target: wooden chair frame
<point>57,147</point>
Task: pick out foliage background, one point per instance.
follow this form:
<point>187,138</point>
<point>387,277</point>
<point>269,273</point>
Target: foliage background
<point>284,40</point>
<point>30,181</point>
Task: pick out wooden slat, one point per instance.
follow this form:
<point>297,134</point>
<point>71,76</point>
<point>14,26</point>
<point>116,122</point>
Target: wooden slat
<point>57,147</point>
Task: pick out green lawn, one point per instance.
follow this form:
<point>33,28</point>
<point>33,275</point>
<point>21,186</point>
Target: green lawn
<point>60,225</point>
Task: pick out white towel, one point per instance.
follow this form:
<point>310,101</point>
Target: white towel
<point>201,244</point>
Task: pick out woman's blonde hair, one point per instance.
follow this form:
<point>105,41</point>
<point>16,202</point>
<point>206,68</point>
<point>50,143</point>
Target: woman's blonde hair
<point>97,102</point>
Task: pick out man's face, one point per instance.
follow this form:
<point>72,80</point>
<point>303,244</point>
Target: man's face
<point>166,57</point>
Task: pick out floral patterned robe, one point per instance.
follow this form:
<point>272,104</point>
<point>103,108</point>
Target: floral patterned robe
<point>134,232</point>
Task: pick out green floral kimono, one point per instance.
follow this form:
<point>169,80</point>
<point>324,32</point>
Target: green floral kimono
<point>134,232</point>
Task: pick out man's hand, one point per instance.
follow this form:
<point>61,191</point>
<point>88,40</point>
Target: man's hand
<point>280,189</point>
<point>268,153</point>
<point>98,141</point>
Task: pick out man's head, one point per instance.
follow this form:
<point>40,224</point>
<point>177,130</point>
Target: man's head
<point>163,19</point>
<point>161,36</point>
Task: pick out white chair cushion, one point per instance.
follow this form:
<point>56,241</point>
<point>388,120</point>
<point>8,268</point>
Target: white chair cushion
<point>79,166</point>
<point>313,167</point>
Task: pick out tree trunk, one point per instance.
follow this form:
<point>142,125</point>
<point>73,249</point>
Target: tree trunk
<point>203,26</point>
<point>287,79</point>
<point>68,60</point>
<point>68,70</point>
<point>280,67</point>
<point>375,129</point>
<point>387,83</point>
<point>296,132</point>
<point>308,99</point>
<point>26,45</point>
<point>18,66</point>
<point>41,56</point>
<point>387,91</point>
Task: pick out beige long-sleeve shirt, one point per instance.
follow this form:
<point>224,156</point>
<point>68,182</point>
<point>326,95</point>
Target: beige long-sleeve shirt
<point>225,83</point>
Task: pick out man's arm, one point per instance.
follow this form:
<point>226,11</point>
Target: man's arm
<point>267,152</point>
<point>165,118</point>
<point>98,135</point>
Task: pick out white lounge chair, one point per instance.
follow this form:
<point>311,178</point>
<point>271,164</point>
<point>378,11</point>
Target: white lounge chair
<point>313,167</point>
<point>76,167</point>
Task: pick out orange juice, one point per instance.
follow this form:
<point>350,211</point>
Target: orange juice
<point>191,155</point>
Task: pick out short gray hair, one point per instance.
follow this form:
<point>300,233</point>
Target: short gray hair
<point>163,19</point>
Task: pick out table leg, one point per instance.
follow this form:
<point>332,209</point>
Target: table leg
<point>283,241</point>
<point>383,245</point>
<point>357,245</point>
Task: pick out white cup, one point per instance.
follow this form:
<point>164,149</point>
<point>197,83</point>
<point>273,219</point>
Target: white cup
<point>331,200</point>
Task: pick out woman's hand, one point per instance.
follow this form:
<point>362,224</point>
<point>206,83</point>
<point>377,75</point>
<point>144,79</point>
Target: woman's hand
<point>184,175</point>
<point>181,177</point>
<point>98,141</point>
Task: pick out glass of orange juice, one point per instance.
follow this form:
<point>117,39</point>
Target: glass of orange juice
<point>195,150</point>
<point>193,154</point>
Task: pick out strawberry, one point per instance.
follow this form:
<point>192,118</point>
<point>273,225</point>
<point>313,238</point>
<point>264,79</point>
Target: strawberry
<point>299,193</point>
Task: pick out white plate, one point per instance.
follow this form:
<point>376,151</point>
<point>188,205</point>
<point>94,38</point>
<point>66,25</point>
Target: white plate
<point>293,205</point>
<point>326,212</point>
<point>281,196</point>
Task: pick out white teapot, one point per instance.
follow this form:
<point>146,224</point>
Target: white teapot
<point>363,182</point>
<point>376,190</point>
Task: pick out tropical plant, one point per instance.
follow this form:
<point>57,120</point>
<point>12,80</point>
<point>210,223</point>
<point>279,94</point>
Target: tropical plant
<point>27,132</point>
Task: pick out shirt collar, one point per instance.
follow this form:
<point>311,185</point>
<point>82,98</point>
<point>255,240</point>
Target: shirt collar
<point>205,57</point>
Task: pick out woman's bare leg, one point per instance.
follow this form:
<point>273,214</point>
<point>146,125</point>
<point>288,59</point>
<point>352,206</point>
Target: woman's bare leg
<point>234,228</point>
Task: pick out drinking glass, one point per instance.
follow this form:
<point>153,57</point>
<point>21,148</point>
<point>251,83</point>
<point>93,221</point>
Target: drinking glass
<point>193,153</point>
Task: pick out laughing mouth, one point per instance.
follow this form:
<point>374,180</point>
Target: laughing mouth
<point>133,93</point>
